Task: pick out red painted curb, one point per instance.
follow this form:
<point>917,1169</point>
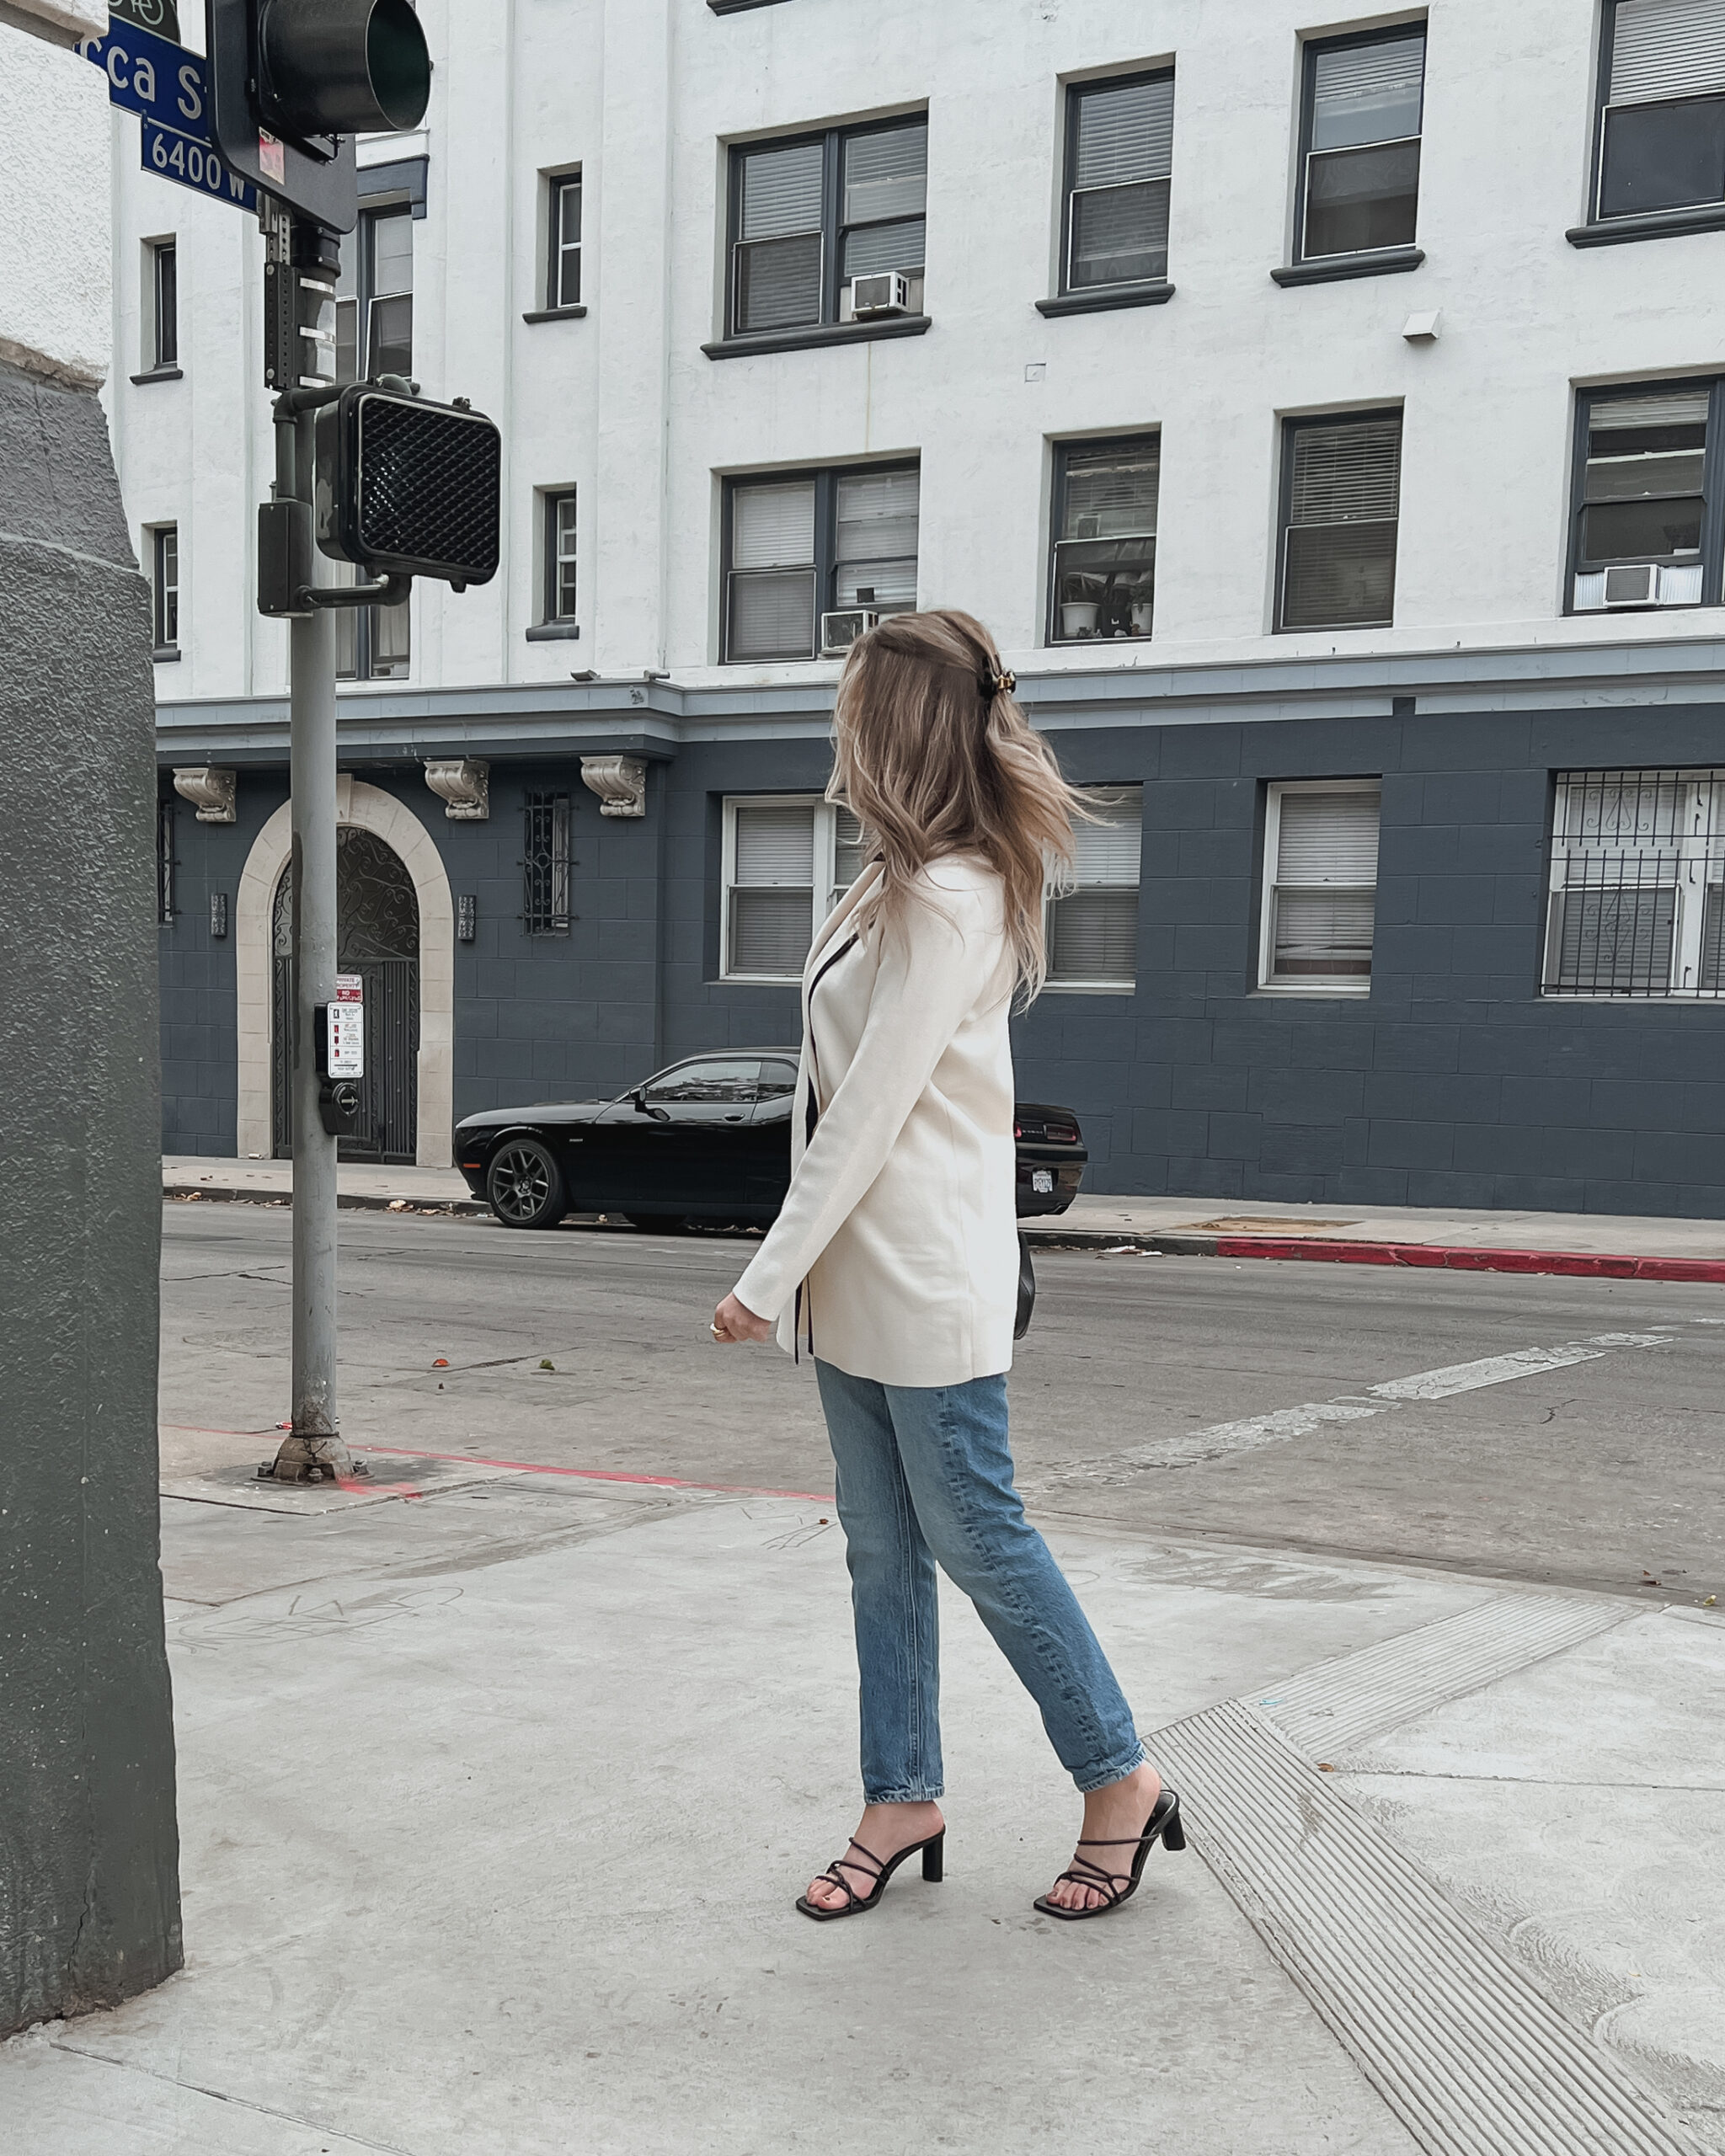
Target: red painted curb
<point>1460,1258</point>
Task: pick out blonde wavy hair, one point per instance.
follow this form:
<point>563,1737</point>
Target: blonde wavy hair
<point>933,757</point>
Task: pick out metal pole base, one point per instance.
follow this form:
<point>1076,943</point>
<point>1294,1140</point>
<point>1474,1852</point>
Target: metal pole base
<point>313,1458</point>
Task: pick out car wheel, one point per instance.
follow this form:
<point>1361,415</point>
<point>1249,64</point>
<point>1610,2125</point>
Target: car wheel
<point>524,1185</point>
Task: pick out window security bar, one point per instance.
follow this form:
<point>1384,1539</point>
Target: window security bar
<point>1637,885</point>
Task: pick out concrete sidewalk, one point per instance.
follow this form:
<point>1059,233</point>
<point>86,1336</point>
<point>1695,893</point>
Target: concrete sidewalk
<point>1631,1245</point>
<point>493,1805</point>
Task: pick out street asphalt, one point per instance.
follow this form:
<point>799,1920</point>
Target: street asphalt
<point>1605,1471</point>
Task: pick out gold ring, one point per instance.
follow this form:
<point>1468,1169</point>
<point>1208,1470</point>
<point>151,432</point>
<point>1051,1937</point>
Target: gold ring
<point>717,1333</point>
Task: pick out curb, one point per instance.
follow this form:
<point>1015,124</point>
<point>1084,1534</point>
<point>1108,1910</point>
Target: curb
<point>1450,1257</point>
<point>346,1202</point>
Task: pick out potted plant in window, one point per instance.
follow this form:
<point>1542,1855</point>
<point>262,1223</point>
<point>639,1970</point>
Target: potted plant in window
<point>1081,601</point>
<point>1141,602</point>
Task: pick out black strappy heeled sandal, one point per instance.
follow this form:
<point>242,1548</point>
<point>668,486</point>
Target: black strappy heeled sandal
<point>934,1869</point>
<point>1163,1824</point>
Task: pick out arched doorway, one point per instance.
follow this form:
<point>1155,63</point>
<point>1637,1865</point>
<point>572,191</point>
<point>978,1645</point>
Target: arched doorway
<point>378,937</point>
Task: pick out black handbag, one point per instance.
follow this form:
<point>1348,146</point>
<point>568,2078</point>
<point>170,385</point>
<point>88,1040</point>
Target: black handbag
<point>1027,1290</point>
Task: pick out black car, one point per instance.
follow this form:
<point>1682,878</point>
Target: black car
<point>705,1143</point>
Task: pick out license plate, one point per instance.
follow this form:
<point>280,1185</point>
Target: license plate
<point>1042,1182</point>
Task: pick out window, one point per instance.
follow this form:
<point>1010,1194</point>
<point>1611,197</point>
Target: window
<point>161,305</point>
<point>1641,534</point>
<point>809,217</point>
<point>545,864</point>
<point>1341,487</point>
<point>1120,153</point>
<point>801,544</point>
<point>167,861</point>
<point>374,304</point>
<point>1637,903</point>
<point>1360,144</point>
<point>164,587</point>
<point>559,544</point>
<point>789,859</point>
<point>1662,119</point>
<point>1092,923</point>
<point>562,272</point>
<point>372,644</point>
<point>1104,543</point>
<point>1320,885</point>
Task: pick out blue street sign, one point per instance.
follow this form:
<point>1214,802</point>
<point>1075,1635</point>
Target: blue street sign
<point>151,76</point>
<point>195,165</point>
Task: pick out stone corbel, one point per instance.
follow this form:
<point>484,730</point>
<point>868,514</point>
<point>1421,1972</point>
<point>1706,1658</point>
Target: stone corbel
<point>210,789</point>
<point>463,785</point>
<point>619,782</point>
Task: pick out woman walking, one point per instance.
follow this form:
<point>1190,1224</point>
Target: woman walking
<point>895,1261</point>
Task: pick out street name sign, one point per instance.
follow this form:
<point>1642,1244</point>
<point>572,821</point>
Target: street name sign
<point>152,77</point>
<point>194,164</point>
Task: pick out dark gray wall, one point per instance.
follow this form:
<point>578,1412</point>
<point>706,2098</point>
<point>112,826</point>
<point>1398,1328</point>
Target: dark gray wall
<point>89,1898</point>
<point>1453,1083</point>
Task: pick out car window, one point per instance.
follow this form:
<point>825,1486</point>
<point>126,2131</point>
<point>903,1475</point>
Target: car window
<point>710,1078</point>
<point>776,1080</point>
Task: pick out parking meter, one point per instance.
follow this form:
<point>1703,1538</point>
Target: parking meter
<point>341,1055</point>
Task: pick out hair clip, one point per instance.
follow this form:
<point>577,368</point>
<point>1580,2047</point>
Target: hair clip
<point>998,681</point>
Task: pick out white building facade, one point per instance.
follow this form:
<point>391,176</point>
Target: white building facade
<point>1324,414</point>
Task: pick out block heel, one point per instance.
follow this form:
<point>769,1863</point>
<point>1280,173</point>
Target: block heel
<point>934,1859</point>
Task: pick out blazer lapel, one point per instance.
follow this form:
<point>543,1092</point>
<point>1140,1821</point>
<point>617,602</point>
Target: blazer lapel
<point>830,928</point>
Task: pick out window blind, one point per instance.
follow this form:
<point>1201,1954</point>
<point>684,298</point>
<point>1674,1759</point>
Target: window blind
<point>1366,93</point>
<point>1682,408</point>
<point>1108,496</point>
<point>772,527</point>
<point>775,847</point>
<point>772,614</point>
<point>1124,133</point>
<point>781,191</point>
<point>886,175</point>
<point>850,856</point>
<point>1667,48</point>
<point>1110,852</point>
<point>1346,473</point>
<point>877,516</point>
<point>1328,839</point>
<point>1093,935</point>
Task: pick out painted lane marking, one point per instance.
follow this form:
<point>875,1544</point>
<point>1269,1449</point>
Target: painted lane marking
<point>1281,1424</point>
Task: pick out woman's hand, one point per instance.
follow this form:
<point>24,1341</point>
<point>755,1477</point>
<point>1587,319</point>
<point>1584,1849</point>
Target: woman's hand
<point>733,1321</point>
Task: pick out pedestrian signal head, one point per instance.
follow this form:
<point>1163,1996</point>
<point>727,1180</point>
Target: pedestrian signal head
<point>408,488</point>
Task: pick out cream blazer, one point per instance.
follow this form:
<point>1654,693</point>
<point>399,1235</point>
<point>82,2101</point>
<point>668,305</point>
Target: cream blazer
<point>901,1222</point>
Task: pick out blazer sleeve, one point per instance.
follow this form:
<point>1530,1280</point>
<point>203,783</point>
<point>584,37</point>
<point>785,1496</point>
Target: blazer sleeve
<point>934,966</point>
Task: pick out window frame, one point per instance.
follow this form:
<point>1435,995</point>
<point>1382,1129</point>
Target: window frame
<point>1275,791</point>
<point>1630,224</point>
<point>1064,452</point>
<point>164,589</point>
<point>1588,396</point>
<point>167,862</point>
<point>826,564</point>
<point>1310,49</point>
<point>1101,294</point>
<point>365,295</point>
<point>1291,422</point>
<point>544,921</point>
<point>826,813</point>
<point>1695,846</point>
<point>1052,895</point>
<point>551,500</point>
<point>833,229</point>
<point>556,248</point>
<point>162,350</point>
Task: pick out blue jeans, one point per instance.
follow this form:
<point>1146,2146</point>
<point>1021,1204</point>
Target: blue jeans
<point>924,1477</point>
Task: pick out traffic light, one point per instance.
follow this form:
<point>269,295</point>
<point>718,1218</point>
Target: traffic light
<point>293,82</point>
<point>408,488</point>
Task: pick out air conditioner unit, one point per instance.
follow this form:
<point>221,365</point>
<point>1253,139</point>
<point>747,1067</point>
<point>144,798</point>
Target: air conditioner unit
<point>887,292</point>
<point>840,630</point>
<point>1638,583</point>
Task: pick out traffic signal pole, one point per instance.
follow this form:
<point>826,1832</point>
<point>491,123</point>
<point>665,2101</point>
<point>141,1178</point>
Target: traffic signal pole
<point>314,1449</point>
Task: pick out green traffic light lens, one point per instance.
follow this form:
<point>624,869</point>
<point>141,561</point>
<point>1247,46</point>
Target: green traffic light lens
<point>398,63</point>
